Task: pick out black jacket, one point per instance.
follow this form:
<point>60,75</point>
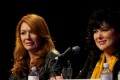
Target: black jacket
<point>50,68</point>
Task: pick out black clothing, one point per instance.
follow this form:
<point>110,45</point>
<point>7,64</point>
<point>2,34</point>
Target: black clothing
<point>89,66</point>
<point>50,68</point>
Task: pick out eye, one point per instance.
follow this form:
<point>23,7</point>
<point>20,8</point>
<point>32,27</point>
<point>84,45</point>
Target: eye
<point>22,32</point>
<point>32,32</point>
<point>95,30</point>
<point>104,29</point>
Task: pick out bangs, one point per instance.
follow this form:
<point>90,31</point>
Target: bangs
<point>93,27</point>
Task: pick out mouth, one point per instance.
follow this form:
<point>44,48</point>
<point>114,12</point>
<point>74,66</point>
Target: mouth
<point>29,43</point>
<point>102,42</point>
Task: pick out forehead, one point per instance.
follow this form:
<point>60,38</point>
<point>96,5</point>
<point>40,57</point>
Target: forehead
<point>104,25</point>
<point>25,26</point>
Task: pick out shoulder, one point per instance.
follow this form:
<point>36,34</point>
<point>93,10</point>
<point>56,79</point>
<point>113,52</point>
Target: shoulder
<point>54,53</point>
<point>13,77</point>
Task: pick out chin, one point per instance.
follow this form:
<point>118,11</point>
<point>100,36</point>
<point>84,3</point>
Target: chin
<point>102,48</point>
<point>29,49</point>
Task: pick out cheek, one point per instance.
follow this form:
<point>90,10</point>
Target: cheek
<point>37,41</point>
<point>114,38</point>
<point>22,38</point>
<point>94,37</point>
<point>111,36</point>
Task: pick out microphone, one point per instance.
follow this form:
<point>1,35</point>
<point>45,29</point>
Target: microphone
<point>68,52</point>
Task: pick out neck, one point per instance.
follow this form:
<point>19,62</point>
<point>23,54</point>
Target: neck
<point>107,57</point>
<point>33,57</point>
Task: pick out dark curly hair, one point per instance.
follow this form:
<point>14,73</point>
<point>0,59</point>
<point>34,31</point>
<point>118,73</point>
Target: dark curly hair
<point>110,16</point>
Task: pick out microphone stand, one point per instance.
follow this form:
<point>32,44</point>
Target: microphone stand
<point>67,72</point>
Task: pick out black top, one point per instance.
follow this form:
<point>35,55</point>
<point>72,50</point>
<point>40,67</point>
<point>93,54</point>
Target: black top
<point>50,68</point>
<point>89,66</point>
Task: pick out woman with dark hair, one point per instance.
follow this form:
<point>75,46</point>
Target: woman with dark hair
<point>103,43</point>
<point>34,47</point>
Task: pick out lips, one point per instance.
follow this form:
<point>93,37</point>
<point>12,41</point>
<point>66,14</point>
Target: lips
<point>102,42</point>
<point>29,43</point>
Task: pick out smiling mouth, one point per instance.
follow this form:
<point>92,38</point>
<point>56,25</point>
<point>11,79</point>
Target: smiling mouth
<point>102,42</point>
<point>29,43</point>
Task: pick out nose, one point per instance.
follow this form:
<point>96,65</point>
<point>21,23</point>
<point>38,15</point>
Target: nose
<point>28,35</point>
<point>100,35</point>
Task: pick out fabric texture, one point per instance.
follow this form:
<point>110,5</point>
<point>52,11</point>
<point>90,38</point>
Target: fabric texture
<point>51,68</point>
<point>89,67</point>
<point>99,66</point>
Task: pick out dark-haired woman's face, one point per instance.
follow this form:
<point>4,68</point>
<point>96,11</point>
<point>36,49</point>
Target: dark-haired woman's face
<point>105,37</point>
<point>29,39</point>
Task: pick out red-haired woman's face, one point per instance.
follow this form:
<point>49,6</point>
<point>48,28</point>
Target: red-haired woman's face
<point>29,39</point>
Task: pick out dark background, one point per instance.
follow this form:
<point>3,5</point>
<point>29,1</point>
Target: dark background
<point>67,22</point>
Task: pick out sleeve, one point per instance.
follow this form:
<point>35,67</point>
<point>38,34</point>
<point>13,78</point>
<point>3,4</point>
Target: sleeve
<point>55,66</point>
<point>83,73</point>
<point>16,77</point>
<point>13,77</point>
